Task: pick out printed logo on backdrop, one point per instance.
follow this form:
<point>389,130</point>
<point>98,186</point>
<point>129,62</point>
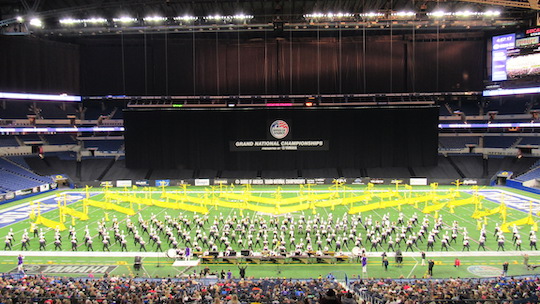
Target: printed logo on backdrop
<point>279,129</point>
<point>163,182</point>
<point>143,183</point>
<point>65,269</point>
<point>106,184</point>
<point>485,271</point>
<point>358,181</point>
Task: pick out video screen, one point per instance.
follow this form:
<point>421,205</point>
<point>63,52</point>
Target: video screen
<point>516,55</point>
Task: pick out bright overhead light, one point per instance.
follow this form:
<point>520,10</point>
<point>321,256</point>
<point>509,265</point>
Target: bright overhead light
<point>492,13</point>
<point>214,17</point>
<point>36,22</point>
<point>154,19</point>
<point>404,14</point>
<point>19,19</point>
<point>372,15</point>
<point>69,21</point>
<point>185,18</point>
<point>95,20</point>
<point>328,15</point>
<point>439,14</point>
<point>125,19</point>
<point>242,17</point>
<point>465,13</point>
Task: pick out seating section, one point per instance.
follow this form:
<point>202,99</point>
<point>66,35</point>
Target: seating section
<point>160,290</point>
<point>16,110</point>
<point>30,138</point>
<point>499,141</point>
<point>530,141</point>
<point>515,106</point>
<point>457,142</point>
<point>532,174</point>
<point>492,290</point>
<point>104,145</point>
<point>8,141</point>
<point>60,139</point>
<point>14,177</point>
<point>56,110</point>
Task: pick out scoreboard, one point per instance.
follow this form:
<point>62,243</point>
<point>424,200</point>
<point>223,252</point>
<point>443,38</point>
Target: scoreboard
<point>516,55</point>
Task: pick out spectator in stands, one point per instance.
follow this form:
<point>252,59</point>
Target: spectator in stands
<point>329,297</point>
<point>451,291</point>
<point>348,298</point>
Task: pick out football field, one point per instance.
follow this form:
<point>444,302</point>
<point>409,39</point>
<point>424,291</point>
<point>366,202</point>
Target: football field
<point>281,216</point>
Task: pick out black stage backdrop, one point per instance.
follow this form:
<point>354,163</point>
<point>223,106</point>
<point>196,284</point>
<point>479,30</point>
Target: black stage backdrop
<point>355,137</point>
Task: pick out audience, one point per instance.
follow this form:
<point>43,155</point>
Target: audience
<point>501,290</point>
<point>41,289</point>
<point>51,290</point>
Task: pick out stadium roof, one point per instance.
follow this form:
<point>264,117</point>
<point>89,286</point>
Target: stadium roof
<point>48,14</point>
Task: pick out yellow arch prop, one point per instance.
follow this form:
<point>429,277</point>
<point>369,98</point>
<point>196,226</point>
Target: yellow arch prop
<point>78,214</point>
<point>50,223</point>
<point>524,221</point>
<point>501,209</point>
<point>109,206</point>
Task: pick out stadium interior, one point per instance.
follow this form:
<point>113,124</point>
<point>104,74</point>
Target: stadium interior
<point>265,119</point>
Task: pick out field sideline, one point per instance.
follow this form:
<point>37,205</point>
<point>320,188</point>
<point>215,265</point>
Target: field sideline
<point>155,263</point>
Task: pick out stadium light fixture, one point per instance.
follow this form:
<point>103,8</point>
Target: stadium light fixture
<point>19,19</point>
<point>214,17</point>
<point>68,21</point>
<point>185,18</point>
<point>465,13</point>
<point>242,17</point>
<point>372,15</point>
<point>125,19</point>
<point>95,20</point>
<point>154,19</point>
<point>339,15</point>
<point>492,13</point>
<point>73,21</point>
<point>36,22</point>
<point>439,14</point>
<point>404,14</point>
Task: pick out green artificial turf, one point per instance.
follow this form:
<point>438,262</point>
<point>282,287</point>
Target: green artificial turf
<point>411,267</point>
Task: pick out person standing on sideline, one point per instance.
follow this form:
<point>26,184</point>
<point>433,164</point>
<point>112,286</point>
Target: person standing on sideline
<point>505,269</point>
<point>242,271</point>
<point>385,263</point>
<point>431,263</point>
<point>399,258</point>
<point>364,264</point>
<point>20,263</point>
<point>423,258</point>
<point>457,262</point>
